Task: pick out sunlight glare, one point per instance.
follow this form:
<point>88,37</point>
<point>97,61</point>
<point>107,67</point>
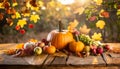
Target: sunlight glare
<point>66,2</point>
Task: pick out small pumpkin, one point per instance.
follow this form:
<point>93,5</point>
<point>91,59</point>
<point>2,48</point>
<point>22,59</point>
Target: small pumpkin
<point>76,46</point>
<point>60,38</point>
<point>51,49</point>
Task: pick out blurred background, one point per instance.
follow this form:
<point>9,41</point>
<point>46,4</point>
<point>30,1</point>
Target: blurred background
<point>21,20</point>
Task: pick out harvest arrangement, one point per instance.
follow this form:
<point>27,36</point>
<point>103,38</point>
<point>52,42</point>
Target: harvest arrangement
<point>74,42</point>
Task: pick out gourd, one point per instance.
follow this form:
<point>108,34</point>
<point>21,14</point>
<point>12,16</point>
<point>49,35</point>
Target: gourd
<point>60,39</point>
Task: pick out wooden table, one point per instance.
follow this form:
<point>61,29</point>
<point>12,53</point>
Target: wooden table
<point>106,61</point>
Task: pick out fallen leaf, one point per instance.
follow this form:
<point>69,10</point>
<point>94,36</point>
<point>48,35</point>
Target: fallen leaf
<point>95,61</point>
<point>84,29</point>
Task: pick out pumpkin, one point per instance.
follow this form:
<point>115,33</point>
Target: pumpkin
<point>51,49</point>
<point>76,46</point>
<point>60,38</point>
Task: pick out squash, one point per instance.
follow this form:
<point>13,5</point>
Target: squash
<point>60,38</point>
<point>76,46</point>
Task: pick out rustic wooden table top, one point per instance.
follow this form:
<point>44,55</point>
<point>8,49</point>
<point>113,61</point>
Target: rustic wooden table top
<point>106,59</point>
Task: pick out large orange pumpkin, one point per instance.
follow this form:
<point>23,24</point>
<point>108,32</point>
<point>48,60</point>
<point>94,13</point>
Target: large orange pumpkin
<point>60,38</point>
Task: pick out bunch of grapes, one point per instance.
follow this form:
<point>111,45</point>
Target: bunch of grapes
<point>85,39</point>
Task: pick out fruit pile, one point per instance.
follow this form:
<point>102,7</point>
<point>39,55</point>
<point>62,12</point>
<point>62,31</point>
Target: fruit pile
<point>73,42</point>
<point>32,48</point>
<point>91,47</point>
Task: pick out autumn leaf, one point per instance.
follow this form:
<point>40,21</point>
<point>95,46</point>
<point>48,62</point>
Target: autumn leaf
<point>40,3</point>
<point>72,25</point>
<point>17,15</point>
<point>79,10</point>
<point>100,24</point>
<point>98,2</point>
<point>84,29</point>
<point>14,4</point>
<point>1,6</point>
<point>97,36</point>
<point>35,8</point>
<point>21,23</point>
<point>34,18</point>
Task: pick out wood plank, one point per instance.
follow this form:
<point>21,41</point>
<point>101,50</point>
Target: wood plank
<point>35,60</point>
<point>10,60</point>
<point>59,61</point>
<point>8,46</point>
<point>112,59</point>
<point>49,60</point>
<point>90,60</point>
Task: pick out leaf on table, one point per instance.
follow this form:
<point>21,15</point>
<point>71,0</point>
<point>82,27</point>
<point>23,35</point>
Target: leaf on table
<point>21,23</point>
<point>34,18</point>
<point>84,29</point>
<point>95,61</point>
<point>60,54</point>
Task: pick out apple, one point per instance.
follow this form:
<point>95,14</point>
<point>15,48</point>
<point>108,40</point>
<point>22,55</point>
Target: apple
<point>42,44</point>
<point>38,50</point>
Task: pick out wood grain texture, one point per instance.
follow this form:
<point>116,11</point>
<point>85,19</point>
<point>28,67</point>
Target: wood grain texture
<point>90,60</point>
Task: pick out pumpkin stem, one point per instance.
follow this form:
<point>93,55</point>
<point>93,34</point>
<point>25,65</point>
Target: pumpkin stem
<point>49,44</point>
<point>77,39</point>
<point>60,26</point>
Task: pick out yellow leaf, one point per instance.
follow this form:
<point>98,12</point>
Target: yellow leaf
<point>21,23</point>
<point>98,2</point>
<point>35,8</point>
<point>26,14</point>
<point>71,29</point>
<point>84,29</point>
<point>40,3</point>
<point>1,6</point>
<point>74,23</point>
<point>79,10</point>
<point>17,14</point>
<point>14,4</point>
<point>34,18</point>
<point>100,24</point>
<point>28,5</point>
<point>97,37</point>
